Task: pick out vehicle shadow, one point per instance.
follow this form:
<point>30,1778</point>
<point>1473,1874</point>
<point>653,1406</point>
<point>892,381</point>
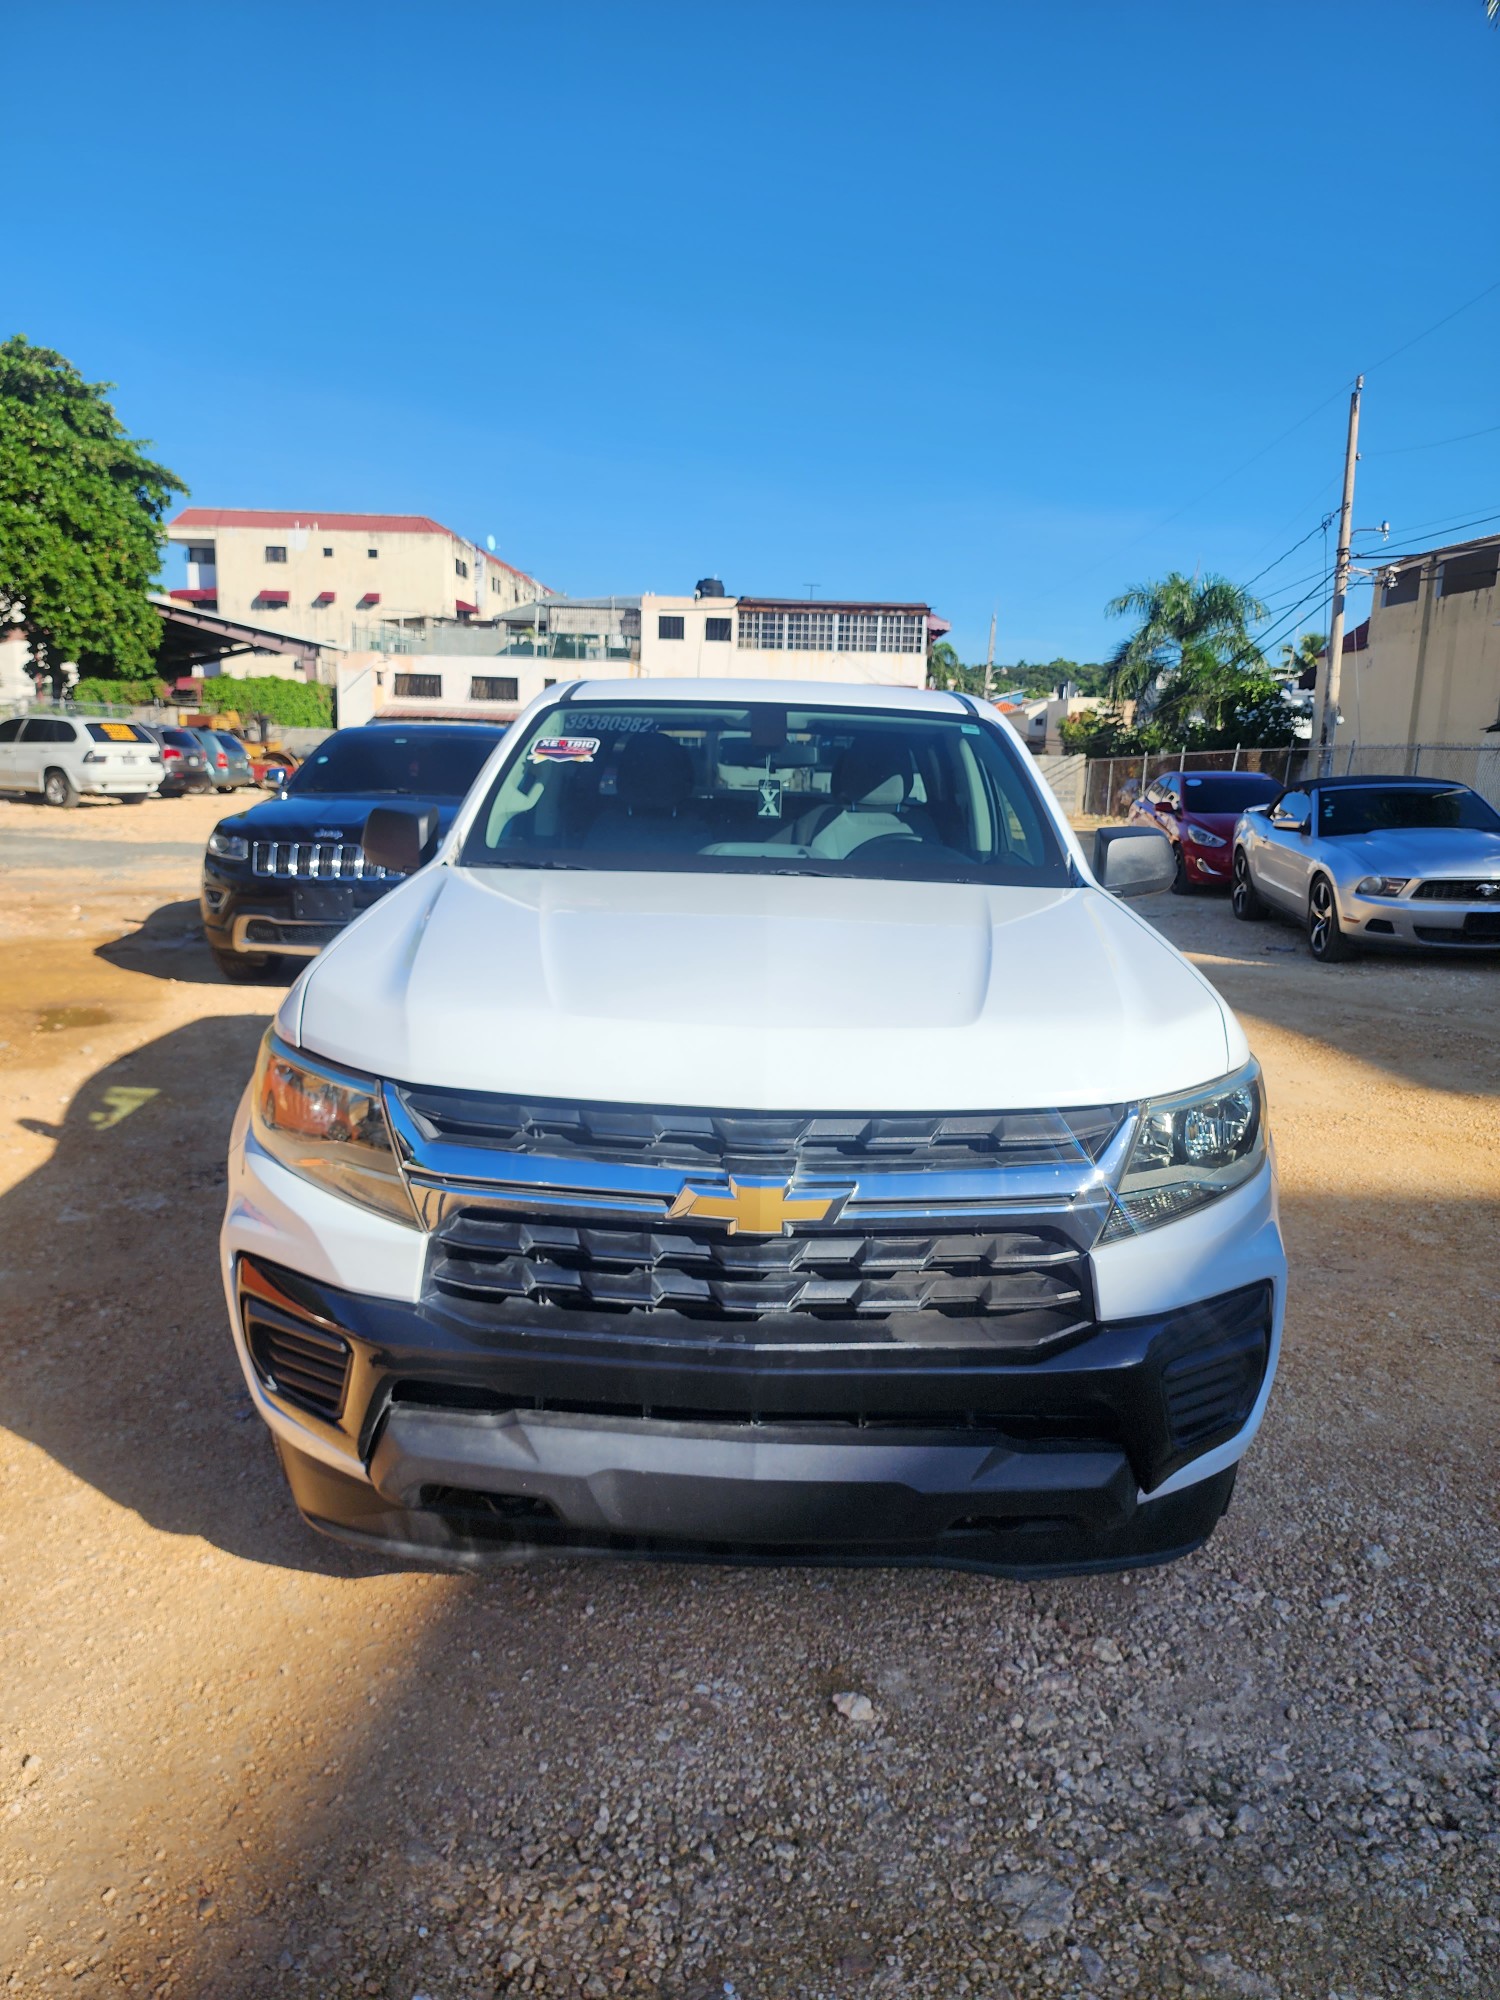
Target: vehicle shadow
<point>115,1346</point>
<point>170,945</point>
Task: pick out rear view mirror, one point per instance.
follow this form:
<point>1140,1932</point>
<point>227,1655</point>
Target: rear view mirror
<point>400,838</point>
<point>1133,860</point>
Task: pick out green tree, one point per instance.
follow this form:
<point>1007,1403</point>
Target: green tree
<point>1191,629</point>
<point>1306,652</point>
<point>81,507</point>
<point>1104,733</point>
<point>943,665</point>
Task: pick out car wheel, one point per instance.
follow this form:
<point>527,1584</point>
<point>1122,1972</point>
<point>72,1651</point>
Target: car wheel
<point>1325,937</point>
<point>1243,897</point>
<point>1181,886</point>
<point>57,789</point>
<point>133,798</point>
<point>242,968</point>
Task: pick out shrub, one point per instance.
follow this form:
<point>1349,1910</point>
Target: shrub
<point>294,704</point>
<point>134,694</point>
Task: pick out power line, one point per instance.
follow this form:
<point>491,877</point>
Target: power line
<point>1400,450</point>
<point>1395,351</point>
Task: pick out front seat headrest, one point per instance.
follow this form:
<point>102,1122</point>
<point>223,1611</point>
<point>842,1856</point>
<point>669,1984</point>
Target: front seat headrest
<point>655,774</point>
<point>873,774</point>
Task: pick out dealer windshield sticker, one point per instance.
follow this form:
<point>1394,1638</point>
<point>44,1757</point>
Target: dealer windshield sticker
<point>565,750</point>
<point>119,732</point>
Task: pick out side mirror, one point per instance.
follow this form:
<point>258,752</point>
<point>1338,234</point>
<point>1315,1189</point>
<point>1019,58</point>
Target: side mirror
<point>1289,825</point>
<point>400,838</point>
<point>1133,860</point>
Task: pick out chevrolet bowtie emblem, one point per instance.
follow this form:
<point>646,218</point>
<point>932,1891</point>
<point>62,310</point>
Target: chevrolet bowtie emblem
<point>752,1208</point>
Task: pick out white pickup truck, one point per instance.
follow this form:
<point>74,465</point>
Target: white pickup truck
<point>755,1130</point>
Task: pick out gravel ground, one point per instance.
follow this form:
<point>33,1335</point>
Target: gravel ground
<point>236,1761</point>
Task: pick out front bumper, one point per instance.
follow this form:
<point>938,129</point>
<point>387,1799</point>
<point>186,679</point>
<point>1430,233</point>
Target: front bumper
<point>1421,922</point>
<point>253,914</point>
<point>405,1425</point>
<point>1209,867</point>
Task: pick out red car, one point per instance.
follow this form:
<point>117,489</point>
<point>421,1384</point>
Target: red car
<point>1197,810</point>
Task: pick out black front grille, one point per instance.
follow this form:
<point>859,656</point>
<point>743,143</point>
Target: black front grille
<point>1027,1286</point>
<point>1480,926</point>
<point>761,1142</point>
<point>302,1364</point>
<point>1457,892</point>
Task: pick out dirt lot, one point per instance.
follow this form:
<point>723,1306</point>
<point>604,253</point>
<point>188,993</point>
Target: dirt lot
<point>237,1761</point>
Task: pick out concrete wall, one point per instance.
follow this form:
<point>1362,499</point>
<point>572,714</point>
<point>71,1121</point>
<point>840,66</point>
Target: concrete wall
<point>368,683</point>
<point>1431,670</point>
<point>694,655</point>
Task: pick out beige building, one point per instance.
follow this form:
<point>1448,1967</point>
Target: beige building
<point>776,638</point>
<point>336,578</point>
<point>1425,667</point>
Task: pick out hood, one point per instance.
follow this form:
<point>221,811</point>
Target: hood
<point>762,993</point>
<point>1431,852</point>
<point>333,814</point>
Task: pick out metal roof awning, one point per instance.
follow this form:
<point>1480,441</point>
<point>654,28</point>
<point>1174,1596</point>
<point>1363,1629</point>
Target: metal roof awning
<point>193,637</point>
<point>275,596</point>
<point>209,596</point>
<point>464,609</point>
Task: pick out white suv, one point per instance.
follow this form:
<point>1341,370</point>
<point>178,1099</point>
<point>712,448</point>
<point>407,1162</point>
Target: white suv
<point>756,1129</point>
<point>61,758</point>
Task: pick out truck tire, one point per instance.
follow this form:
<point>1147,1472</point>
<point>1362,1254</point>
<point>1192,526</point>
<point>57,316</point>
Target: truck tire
<point>57,788</point>
<point>242,968</point>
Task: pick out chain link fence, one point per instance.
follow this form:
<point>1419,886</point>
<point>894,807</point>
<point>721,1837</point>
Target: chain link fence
<point>1478,768</point>
<point>1113,783</point>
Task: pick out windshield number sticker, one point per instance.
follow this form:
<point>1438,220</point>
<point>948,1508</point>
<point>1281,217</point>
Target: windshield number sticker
<point>565,750</point>
<point>770,799</point>
<point>618,724</point>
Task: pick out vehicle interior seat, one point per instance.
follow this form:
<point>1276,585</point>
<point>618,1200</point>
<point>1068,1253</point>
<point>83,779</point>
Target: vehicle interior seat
<point>874,796</point>
<point>652,807</point>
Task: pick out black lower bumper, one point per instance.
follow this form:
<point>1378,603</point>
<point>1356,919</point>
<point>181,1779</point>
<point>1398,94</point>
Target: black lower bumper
<point>674,1512</point>
<point>494,1440</point>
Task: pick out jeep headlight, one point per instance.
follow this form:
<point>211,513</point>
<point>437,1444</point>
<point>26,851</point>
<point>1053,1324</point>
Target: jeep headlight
<point>1188,1151</point>
<point>229,846</point>
<point>329,1126</point>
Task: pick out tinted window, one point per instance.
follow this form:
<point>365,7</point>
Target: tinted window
<point>229,741</point>
<point>1373,808</point>
<point>44,729</point>
<point>768,789</point>
<point>428,764</point>
<point>1227,791</point>
<point>181,739</point>
<point>9,731</point>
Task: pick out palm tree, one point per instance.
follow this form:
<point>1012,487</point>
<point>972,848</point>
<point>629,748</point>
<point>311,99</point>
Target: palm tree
<point>1296,660</point>
<point>1194,627</point>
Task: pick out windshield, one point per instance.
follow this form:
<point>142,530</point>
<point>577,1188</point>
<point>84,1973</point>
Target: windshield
<point>1377,808</point>
<point>767,789</point>
<point>1227,792</point>
<point>428,764</point>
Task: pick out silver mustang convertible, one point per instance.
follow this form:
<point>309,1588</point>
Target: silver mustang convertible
<point>1391,861</point>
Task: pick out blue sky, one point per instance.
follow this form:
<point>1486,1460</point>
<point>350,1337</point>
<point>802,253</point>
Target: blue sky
<point>975,304</point>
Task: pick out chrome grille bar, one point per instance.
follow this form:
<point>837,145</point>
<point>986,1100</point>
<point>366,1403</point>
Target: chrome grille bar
<point>315,860</point>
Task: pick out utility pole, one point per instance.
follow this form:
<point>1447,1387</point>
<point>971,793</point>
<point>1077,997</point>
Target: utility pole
<point>1328,722</point>
<point>989,658</point>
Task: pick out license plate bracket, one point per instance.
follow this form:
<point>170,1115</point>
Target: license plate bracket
<point>323,903</point>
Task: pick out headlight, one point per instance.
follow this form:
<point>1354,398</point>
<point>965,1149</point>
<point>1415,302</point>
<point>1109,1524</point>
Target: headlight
<point>329,1126</point>
<point>1189,1150</point>
<point>1383,885</point>
<point>229,846</point>
<point>1201,837</point>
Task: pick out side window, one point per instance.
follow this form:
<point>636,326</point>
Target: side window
<point>1292,809</point>
<point>9,731</point>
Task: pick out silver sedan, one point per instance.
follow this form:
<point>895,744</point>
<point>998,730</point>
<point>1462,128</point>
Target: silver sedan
<point>1391,861</point>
